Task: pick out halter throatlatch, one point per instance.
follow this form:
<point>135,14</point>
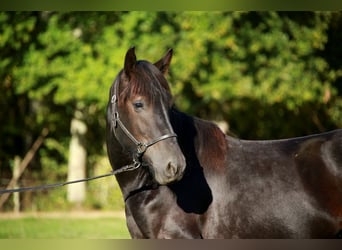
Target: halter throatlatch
<point>140,146</point>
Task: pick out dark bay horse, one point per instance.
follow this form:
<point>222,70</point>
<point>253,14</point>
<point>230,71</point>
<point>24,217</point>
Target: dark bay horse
<point>190,180</point>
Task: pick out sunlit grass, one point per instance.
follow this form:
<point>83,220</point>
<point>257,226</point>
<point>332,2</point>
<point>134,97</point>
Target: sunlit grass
<point>62,228</point>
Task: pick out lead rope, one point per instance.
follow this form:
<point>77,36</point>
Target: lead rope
<point>137,163</point>
<point>126,168</point>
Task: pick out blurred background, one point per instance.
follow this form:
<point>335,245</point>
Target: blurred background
<point>266,75</point>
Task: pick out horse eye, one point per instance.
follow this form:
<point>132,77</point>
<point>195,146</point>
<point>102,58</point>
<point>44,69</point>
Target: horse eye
<point>138,105</point>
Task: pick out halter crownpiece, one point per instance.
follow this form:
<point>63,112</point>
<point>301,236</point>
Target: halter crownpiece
<point>141,147</point>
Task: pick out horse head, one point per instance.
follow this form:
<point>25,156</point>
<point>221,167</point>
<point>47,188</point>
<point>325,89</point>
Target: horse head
<point>140,103</point>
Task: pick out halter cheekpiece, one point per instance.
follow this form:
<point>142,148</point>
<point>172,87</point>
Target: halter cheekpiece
<point>140,146</point>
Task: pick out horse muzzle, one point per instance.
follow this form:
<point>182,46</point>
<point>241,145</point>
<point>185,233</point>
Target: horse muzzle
<point>170,171</point>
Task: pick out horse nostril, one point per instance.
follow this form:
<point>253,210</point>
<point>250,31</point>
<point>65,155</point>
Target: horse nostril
<point>171,169</point>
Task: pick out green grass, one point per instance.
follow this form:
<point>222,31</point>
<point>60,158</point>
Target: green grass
<point>62,228</point>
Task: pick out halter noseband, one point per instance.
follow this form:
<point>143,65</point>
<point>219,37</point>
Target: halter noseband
<point>141,147</point>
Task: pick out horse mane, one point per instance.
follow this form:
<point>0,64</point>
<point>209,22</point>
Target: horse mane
<point>146,80</point>
<point>211,141</point>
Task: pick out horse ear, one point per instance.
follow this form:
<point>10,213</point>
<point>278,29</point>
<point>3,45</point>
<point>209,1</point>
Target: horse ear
<point>164,63</point>
<point>130,60</point>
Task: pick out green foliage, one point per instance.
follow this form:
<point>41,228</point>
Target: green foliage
<point>269,74</point>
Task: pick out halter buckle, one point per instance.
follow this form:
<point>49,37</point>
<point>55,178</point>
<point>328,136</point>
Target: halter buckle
<point>116,114</point>
<point>115,119</point>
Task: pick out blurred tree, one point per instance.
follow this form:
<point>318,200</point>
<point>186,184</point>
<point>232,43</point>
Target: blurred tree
<point>53,53</point>
<point>59,65</point>
<point>257,70</point>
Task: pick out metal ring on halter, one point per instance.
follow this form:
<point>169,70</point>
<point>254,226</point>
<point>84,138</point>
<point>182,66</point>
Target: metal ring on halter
<point>141,148</point>
<point>113,100</point>
<point>136,163</point>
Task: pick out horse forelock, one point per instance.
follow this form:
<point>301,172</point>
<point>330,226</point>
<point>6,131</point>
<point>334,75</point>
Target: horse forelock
<point>145,80</point>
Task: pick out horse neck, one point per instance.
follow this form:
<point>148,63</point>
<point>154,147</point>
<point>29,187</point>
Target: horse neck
<point>134,181</point>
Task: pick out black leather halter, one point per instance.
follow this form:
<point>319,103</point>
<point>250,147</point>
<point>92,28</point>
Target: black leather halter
<point>141,147</point>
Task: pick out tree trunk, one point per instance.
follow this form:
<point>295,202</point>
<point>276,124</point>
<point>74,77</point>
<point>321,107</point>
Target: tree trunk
<point>77,159</point>
<point>16,176</point>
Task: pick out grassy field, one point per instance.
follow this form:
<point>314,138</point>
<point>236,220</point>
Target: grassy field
<point>64,226</point>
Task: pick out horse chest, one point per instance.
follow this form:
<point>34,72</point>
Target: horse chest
<point>160,217</point>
